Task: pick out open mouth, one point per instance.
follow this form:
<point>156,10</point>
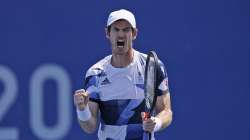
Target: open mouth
<point>120,44</point>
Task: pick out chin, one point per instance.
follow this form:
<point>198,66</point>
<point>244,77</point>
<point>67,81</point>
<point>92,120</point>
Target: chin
<point>121,51</point>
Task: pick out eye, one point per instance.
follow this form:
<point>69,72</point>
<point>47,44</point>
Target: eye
<point>128,29</point>
<point>116,29</point>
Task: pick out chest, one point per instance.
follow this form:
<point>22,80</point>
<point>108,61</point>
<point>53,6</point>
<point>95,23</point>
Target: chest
<point>121,84</point>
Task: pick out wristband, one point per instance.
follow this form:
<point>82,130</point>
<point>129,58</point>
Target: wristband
<point>158,124</point>
<point>84,115</point>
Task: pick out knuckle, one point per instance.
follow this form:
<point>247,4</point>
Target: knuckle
<point>85,94</point>
<point>80,91</point>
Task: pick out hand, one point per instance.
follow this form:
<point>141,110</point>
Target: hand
<point>81,99</point>
<point>148,124</point>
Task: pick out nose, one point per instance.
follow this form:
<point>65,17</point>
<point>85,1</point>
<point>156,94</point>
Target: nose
<point>121,34</point>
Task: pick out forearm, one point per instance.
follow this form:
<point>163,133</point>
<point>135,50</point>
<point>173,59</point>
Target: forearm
<point>166,117</point>
<point>88,117</point>
<point>163,110</point>
<point>89,126</point>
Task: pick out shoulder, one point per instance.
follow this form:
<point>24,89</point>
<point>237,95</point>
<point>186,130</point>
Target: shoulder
<point>142,57</point>
<point>98,67</point>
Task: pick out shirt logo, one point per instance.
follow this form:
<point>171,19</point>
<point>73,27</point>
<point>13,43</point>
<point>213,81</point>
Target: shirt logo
<point>140,78</point>
<point>105,81</point>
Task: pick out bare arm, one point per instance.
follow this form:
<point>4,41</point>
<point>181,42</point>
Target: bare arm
<point>87,111</point>
<point>164,114</point>
<point>90,125</point>
<point>163,109</point>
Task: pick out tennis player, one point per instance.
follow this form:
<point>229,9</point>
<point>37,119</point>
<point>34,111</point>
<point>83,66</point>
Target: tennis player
<point>113,98</point>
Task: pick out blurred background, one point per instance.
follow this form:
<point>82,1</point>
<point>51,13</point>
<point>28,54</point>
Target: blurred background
<point>46,46</point>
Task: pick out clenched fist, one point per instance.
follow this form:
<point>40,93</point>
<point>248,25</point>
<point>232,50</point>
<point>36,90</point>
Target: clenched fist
<point>81,99</point>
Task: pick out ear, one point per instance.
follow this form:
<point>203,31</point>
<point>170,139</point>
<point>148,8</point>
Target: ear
<point>135,32</point>
<point>107,33</point>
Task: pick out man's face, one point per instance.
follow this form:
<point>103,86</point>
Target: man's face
<point>121,36</point>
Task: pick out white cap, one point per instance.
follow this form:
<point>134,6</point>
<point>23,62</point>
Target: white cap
<point>121,14</point>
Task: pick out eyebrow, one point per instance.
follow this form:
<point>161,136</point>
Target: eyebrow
<point>124,29</point>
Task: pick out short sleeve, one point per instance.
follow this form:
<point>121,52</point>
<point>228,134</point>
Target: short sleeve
<point>161,80</point>
<point>90,85</point>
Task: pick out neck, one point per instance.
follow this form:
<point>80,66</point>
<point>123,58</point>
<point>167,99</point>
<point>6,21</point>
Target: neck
<point>122,60</point>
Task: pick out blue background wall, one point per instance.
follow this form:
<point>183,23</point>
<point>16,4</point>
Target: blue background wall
<point>46,46</point>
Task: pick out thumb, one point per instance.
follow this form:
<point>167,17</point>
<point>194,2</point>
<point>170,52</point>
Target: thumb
<point>143,116</point>
<point>86,97</point>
